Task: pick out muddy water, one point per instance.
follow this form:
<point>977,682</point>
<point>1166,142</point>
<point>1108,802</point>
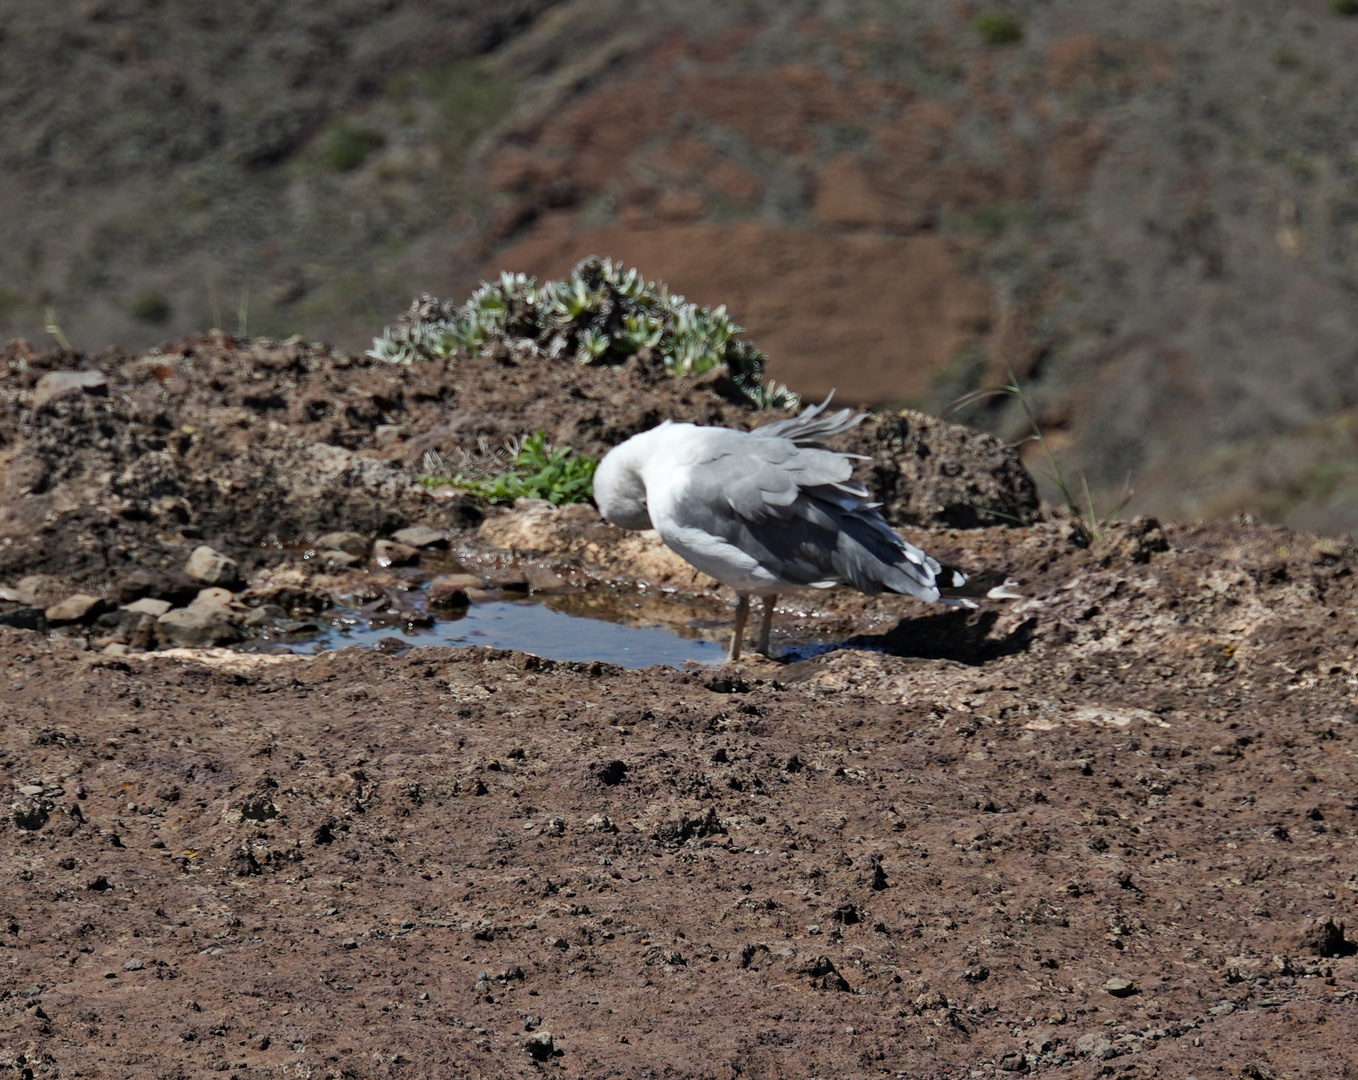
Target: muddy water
<point>534,627</point>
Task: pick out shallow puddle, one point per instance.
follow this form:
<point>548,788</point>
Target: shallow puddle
<point>527,625</point>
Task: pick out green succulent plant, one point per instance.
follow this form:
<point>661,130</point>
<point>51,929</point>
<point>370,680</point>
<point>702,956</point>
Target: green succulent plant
<point>604,313</point>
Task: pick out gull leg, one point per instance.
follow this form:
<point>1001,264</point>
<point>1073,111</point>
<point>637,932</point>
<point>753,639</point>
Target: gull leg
<point>766,625</point>
<point>742,613</point>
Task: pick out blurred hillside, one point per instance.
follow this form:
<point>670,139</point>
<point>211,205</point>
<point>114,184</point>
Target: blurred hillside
<point>1148,211</point>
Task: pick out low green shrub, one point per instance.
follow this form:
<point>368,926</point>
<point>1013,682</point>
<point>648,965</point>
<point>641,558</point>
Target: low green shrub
<point>346,146</point>
<point>604,313</point>
<point>998,27</point>
<point>539,472</point>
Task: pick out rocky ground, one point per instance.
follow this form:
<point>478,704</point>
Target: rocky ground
<point>1105,829</point>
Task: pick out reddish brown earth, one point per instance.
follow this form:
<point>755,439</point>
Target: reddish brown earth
<point>926,861</point>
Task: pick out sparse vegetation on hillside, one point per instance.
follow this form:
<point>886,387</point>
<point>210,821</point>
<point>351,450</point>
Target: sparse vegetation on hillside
<point>998,28</point>
<point>604,313</point>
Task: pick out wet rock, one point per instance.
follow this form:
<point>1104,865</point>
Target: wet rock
<point>1325,938</point>
<point>540,1046</point>
<point>351,543</point>
<point>334,559</point>
<point>148,605</point>
<point>25,618</point>
<point>445,593</point>
<point>420,536</point>
<point>58,384</point>
<point>390,553</point>
<point>543,580</point>
<point>1120,987</point>
<point>212,567</point>
<point>198,627</point>
<point>266,616</point>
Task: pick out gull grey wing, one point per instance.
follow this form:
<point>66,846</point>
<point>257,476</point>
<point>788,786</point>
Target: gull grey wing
<point>812,426</point>
<point>800,515</point>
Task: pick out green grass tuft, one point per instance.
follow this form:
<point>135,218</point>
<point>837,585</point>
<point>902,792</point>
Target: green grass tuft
<point>998,27</point>
<point>559,476</point>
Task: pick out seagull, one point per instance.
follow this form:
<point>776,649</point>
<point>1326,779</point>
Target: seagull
<point>764,511</point>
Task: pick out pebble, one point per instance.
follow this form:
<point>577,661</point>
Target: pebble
<point>1120,987</point>
<point>149,605</point>
<point>351,543</point>
<point>56,384</point>
<point>31,789</point>
<point>135,964</point>
<point>78,607</point>
<point>212,567</point>
<point>389,553</point>
<point>420,536</point>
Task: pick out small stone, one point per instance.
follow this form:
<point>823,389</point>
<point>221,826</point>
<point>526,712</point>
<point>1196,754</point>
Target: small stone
<point>31,789</point>
<point>351,543</point>
<point>261,1042</point>
<point>212,599</point>
<point>389,553</point>
<point>79,607</point>
<point>149,605</point>
<point>350,943</point>
<point>1120,987</point>
<point>115,648</point>
<point>540,1046</point>
<point>199,627</point>
<point>56,384</point>
<point>1095,1045</point>
<point>421,536</point>
<point>212,567</point>
<point>135,964</point>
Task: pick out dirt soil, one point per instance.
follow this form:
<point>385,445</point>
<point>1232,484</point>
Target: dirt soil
<point>1104,830</point>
